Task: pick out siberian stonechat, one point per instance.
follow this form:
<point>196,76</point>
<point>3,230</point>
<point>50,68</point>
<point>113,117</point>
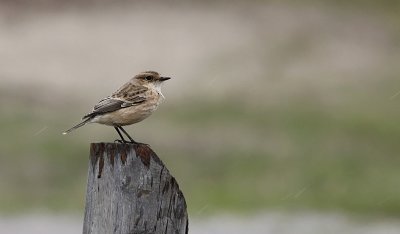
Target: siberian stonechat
<point>132,103</point>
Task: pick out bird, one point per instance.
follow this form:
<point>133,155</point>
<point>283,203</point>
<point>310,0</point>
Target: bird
<point>131,103</point>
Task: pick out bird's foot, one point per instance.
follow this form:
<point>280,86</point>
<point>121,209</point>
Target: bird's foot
<point>137,143</point>
<point>140,143</point>
<point>130,142</point>
<point>120,141</point>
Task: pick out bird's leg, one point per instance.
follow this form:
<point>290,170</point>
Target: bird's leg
<point>120,135</point>
<point>130,138</point>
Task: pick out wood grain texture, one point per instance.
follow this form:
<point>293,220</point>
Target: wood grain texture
<point>130,191</point>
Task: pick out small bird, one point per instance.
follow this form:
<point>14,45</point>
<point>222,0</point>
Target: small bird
<point>133,102</point>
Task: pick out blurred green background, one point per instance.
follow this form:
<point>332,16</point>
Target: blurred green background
<point>273,105</point>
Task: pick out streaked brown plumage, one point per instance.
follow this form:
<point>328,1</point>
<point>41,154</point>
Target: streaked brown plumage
<point>133,102</point>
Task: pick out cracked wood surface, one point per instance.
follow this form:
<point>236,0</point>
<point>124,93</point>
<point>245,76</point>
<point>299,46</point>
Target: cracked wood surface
<point>130,191</point>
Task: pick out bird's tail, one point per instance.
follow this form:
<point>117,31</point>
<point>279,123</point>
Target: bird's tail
<point>77,126</point>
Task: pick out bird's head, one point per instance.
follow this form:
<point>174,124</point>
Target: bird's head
<point>149,79</point>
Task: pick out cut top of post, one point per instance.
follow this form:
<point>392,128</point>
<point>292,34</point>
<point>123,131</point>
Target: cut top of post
<point>130,190</point>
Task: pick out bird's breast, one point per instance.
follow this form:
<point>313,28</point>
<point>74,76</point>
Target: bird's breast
<point>133,114</point>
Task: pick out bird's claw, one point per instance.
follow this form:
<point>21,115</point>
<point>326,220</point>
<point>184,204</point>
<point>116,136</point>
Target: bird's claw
<point>130,142</point>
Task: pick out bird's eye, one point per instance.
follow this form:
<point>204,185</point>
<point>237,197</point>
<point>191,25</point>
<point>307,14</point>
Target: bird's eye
<point>148,78</point>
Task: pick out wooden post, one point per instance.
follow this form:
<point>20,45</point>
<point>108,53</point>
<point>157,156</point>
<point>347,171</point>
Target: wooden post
<point>130,191</point>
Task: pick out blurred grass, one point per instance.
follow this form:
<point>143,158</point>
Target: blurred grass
<point>226,155</point>
<point>37,168</point>
<point>334,159</point>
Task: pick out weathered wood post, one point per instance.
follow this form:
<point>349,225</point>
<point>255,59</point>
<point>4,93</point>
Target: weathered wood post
<point>130,191</point>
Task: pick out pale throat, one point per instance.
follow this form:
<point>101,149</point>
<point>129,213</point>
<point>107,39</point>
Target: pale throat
<point>157,87</point>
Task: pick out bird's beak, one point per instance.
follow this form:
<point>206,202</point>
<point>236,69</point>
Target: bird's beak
<point>164,78</point>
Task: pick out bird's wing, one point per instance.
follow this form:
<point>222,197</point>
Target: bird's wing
<point>126,96</point>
